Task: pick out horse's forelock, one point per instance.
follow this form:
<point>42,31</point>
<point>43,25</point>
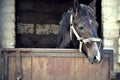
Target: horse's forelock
<point>85,10</point>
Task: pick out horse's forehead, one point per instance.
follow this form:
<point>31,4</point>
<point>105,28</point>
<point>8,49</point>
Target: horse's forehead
<point>87,9</point>
<point>86,12</point>
<point>89,23</point>
<point>86,20</point>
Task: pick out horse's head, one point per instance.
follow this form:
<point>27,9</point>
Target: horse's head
<point>85,24</point>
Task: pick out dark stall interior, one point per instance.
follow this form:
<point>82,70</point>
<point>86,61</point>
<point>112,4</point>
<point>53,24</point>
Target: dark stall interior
<point>37,21</point>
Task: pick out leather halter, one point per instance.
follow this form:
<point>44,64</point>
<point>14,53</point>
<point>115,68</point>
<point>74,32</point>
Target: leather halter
<point>79,38</point>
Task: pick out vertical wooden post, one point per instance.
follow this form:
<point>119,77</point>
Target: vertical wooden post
<point>6,71</point>
<point>18,66</point>
<point>4,66</point>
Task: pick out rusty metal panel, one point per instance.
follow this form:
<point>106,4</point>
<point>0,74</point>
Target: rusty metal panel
<point>50,66</point>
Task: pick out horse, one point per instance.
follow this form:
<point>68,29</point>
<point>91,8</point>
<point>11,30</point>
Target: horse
<point>78,29</point>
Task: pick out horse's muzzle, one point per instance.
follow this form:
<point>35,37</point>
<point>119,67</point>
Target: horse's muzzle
<point>94,60</point>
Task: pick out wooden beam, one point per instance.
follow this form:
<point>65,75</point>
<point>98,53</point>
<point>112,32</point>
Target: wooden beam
<point>44,7</point>
<point>52,52</point>
<point>39,18</point>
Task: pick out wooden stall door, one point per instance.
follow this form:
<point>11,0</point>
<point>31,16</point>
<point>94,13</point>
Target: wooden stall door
<point>54,65</point>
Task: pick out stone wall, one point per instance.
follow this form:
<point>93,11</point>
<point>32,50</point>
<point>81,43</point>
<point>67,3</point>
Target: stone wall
<point>118,21</point>
<point>37,29</point>
<point>111,28</point>
<point>37,35</point>
<point>7,23</point>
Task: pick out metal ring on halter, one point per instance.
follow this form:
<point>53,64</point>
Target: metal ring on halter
<point>93,39</point>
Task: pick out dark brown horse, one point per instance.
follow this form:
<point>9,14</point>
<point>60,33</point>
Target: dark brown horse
<point>78,29</point>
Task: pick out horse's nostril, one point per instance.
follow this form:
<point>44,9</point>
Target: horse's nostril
<point>95,58</point>
<point>94,61</point>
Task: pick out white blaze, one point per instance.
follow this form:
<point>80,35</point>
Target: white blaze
<point>98,55</point>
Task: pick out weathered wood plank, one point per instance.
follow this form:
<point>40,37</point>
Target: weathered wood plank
<point>39,71</point>
<point>41,50</point>
<point>64,69</point>
<point>86,71</point>
<point>46,50</point>
<point>50,68</point>
<point>5,66</point>
<point>12,68</point>
<point>70,68</point>
<point>26,68</point>
<point>57,68</point>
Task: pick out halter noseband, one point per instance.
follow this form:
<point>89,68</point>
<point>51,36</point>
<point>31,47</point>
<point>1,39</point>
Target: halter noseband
<point>79,38</point>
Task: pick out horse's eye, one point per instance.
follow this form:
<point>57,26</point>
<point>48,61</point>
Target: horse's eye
<point>81,28</point>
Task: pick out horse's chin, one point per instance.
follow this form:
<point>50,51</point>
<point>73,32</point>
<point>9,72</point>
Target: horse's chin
<point>94,54</point>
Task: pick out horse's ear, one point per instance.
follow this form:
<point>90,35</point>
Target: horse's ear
<point>93,5</point>
<point>75,7</point>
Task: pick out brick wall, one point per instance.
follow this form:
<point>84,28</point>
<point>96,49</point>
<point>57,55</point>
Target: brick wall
<point>7,23</point>
<point>111,28</point>
<point>37,35</point>
<point>37,29</point>
<point>118,20</point>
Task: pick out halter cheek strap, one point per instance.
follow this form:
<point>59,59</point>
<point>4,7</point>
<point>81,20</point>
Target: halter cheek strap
<point>80,39</point>
<point>71,26</point>
<point>72,30</point>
